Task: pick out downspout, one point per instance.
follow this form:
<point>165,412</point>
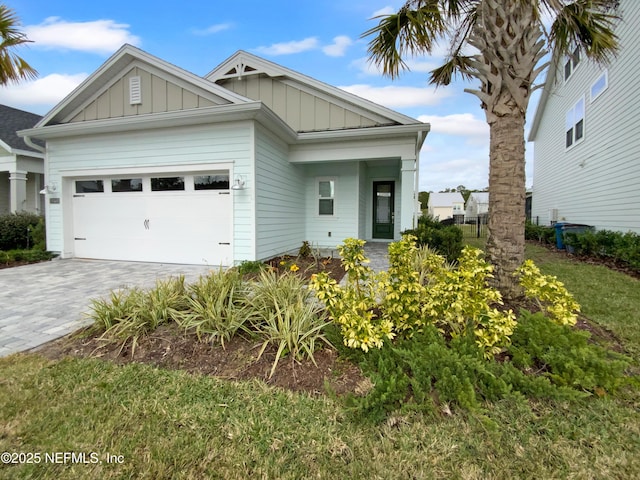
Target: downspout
<point>29,142</point>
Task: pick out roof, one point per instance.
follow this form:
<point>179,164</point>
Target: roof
<point>445,199</point>
<point>12,120</point>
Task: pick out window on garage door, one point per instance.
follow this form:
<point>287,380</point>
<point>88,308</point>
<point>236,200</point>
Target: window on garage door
<point>214,181</point>
<point>164,184</point>
<point>89,186</point>
<point>126,185</point>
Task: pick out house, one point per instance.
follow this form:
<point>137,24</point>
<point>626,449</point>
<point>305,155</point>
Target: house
<point>444,205</point>
<point>21,165</point>
<point>477,205</point>
<point>148,162</point>
<point>586,142</point>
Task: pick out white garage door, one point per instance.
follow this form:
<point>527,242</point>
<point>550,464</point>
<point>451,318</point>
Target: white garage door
<point>155,218</point>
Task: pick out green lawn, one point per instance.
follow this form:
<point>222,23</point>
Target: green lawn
<point>170,424</point>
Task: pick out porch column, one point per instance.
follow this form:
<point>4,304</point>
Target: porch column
<point>408,197</point>
<point>17,191</point>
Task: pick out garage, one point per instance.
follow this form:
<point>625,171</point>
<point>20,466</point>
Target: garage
<point>156,217</point>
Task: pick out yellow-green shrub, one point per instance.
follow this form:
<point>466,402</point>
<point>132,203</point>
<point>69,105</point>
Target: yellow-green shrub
<point>550,294</point>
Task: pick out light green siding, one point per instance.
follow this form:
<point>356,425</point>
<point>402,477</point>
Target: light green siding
<point>173,148</point>
<point>595,181</point>
<point>279,197</point>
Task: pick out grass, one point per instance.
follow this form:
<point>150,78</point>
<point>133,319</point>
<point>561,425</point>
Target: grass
<point>171,424</point>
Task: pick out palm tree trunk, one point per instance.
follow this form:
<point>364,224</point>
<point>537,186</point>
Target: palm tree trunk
<point>505,245</point>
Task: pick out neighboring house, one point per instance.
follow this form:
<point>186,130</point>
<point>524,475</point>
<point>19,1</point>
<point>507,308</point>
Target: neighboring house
<point>477,205</point>
<point>21,165</point>
<point>442,206</point>
<point>587,146</point>
<point>148,162</point>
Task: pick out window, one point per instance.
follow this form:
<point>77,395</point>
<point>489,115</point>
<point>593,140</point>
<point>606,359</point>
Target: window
<point>599,86</point>
<point>126,185</point>
<point>571,62</point>
<point>326,197</point>
<point>163,184</point>
<point>211,182</point>
<point>89,186</point>
<point>574,125</point>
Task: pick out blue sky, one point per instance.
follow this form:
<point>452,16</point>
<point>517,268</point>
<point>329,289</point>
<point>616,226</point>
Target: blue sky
<point>320,39</point>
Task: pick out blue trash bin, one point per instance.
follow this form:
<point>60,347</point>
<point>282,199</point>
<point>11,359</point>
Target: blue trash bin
<point>559,226</point>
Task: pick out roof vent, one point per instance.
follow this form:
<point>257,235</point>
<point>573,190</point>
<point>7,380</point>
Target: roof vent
<point>135,91</point>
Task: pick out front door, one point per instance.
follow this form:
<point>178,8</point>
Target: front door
<point>383,200</point>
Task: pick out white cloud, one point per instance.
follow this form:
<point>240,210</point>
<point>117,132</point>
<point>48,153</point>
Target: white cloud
<point>287,48</point>
<point>398,97</point>
<point>99,36</point>
<point>339,46</point>
<point>460,124</point>
<point>219,27</point>
<point>46,91</point>
<point>369,68</point>
<point>388,10</point>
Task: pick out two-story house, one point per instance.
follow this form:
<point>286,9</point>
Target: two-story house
<point>585,129</point>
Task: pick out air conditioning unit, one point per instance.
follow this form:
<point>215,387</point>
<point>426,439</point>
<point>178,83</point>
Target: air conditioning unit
<point>553,215</point>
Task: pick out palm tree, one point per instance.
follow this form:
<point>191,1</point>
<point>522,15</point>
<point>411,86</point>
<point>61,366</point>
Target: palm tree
<point>12,67</point>
<point>509,43</point>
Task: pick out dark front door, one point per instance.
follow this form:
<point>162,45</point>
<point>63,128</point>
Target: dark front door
<point>383,200</point>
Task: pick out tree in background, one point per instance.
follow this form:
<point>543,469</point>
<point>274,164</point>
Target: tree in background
<point>13,68</point>
<point>509,42</point>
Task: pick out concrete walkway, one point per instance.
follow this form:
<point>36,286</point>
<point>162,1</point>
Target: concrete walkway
<point>44,301</point>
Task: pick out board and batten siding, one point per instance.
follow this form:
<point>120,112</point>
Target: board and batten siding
<point>301,110</point>
<point>329,231</point>
<point>279,197</point>
<point>171,148</point>
<point>596,181</point>
<point>158,95</point>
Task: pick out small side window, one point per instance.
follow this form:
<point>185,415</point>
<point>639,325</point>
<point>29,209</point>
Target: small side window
<point>211,182</point>
<point>599,86</point>
<point>326,197</point>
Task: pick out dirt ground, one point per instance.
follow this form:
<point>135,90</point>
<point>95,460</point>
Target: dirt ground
<point>172,348</point>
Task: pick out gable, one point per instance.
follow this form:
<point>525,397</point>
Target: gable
<point>163,87</point>
<point>157,92</point>
<point>305,104</point>
<point>301,108</point>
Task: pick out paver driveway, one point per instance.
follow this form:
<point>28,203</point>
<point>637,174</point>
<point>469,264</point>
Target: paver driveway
<point>44,301</point>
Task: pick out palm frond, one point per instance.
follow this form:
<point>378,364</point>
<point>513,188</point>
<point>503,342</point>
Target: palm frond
<point>12,67</point>
<point>588,24</point>
<point>414,29</point>
<point>456,65</point>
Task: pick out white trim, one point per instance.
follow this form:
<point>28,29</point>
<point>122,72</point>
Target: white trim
<point>604,74</point>
<point>146,170</point>
<point>318,197</point>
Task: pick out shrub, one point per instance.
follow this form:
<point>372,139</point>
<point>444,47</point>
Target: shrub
<point>355,306</point>
<point>282,312</point>
<point>549,293</point>
<point>445,239</point>
<point>624,247</point>
<point>215,306</point>
<point>539,233</point>
<point>15,230</point>
<point>129,314</point>
<point>425,371</point>
<point>250,266</point>
<point>25,256</point>
<point>566,356</point>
